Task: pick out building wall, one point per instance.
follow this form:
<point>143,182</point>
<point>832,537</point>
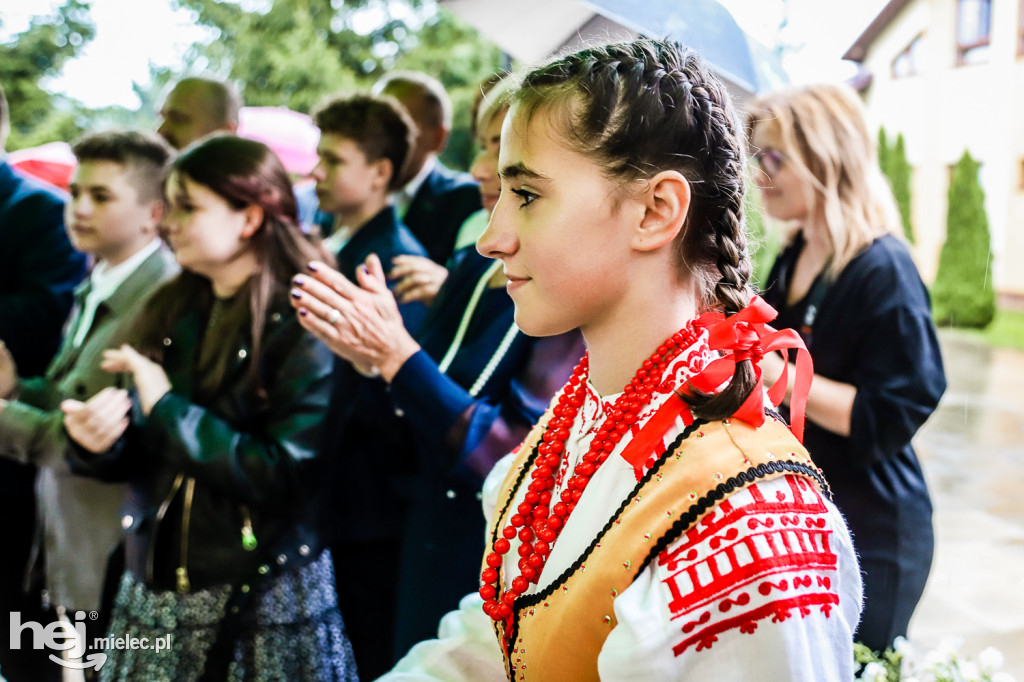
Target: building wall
<point>945,109</point>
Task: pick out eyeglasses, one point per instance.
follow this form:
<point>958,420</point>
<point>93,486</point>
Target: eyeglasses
<point>769,160</point>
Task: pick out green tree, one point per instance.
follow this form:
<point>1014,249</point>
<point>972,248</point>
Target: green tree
<point>27,59</point>
<point>295,52</point>
<point>962,295</point>
<point>883,151</point>
<point>899,177</point>
<point>896,168</point>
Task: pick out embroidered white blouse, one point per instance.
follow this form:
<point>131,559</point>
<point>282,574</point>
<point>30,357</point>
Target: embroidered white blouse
<point>766,587</point>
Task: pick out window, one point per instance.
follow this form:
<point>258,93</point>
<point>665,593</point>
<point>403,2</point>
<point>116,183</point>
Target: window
<point>973,24</point>
<point>906,62</point>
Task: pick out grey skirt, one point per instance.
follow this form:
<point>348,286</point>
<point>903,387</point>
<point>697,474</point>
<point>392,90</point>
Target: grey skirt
<point>291,631</point>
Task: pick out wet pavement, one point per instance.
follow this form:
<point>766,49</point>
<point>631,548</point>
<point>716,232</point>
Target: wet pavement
<point>972,450</point>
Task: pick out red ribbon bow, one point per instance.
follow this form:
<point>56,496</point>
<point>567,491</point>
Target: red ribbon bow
<point>747,336</point>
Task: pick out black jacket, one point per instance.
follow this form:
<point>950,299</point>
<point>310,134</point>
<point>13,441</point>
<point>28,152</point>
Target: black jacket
<point>203,476</point>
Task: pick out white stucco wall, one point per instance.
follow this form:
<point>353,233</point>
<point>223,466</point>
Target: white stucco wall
<point>945,109</point>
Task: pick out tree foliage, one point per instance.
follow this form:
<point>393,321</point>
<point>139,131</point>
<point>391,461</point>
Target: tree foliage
<point>883,151</point>
<point>27,59</point>
<point>899,177</point>
<point>293,53</point>
<point>896,167</point>
<point>962,295</point>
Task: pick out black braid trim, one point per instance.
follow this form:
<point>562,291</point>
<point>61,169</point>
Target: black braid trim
<point>526,601</point>
<point>719,492</point>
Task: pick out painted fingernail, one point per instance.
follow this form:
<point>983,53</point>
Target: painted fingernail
<point>298,281</point>
<point>312,267</point>
<point>303,312</point>
<point>363,269</point>
<point>296,294</point>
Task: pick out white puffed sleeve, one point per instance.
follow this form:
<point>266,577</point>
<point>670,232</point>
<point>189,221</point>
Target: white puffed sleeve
<point>765,587</point>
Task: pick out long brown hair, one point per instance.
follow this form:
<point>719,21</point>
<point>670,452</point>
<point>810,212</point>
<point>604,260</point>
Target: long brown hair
<point>243,173</point>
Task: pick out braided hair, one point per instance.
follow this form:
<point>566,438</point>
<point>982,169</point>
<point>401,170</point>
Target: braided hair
<point>641,107</point>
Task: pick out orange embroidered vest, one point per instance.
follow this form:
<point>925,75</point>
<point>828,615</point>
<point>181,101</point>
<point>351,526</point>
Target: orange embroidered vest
<point>713,460</point>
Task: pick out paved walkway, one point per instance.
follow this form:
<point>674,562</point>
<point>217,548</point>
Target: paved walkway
<point>972,450</point>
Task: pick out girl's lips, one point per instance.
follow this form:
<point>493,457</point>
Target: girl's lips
<point>515,282</point>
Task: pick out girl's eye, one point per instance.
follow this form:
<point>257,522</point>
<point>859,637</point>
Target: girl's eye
<point>526,197</point>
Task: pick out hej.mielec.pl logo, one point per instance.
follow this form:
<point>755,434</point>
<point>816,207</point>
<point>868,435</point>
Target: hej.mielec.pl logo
<point>61,635</point>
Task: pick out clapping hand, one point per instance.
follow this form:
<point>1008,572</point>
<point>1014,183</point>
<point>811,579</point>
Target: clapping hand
<point>416,278</point>
<point>151,381</point>
<point>359,323</point>
<point>97,423</point>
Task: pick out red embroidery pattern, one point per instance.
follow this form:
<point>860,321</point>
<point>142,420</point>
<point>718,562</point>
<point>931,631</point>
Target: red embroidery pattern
<point>749,559</point>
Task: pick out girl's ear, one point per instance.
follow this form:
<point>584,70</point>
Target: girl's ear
<point>253,220</point>
<point>666,204</point>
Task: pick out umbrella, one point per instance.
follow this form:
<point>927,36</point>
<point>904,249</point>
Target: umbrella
<point>705,25</point>
<point>290,134</point>
<point>52,162</point>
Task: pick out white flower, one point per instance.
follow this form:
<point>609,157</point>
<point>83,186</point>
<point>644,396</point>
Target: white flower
<point>970,671</point>
<point>874,672</point>
<point>990,660</point>
<point>936,658</point>
<point>902,646</point>
<point>948,646</point>
<point>1002,677</point>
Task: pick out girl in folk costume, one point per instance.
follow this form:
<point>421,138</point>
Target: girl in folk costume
<point>674,528</point>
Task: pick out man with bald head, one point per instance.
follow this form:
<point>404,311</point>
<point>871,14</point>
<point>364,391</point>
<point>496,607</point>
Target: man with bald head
<point>195,108</point>
<point>436,202</point>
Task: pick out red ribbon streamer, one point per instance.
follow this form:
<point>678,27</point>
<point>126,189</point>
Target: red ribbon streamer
<point>747,336</point>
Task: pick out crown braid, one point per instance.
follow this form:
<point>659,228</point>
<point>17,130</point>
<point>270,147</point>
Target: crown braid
<point>641,107</point>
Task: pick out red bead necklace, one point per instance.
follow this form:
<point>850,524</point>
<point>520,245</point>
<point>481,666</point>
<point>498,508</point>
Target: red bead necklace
<point>537,524</point>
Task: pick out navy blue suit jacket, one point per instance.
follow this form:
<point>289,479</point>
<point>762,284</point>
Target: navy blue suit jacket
<point>358,506</point>
<point>39,271</point>
<point>442,203</point>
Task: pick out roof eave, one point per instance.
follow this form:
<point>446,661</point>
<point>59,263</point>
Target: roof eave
<point>859,50</point>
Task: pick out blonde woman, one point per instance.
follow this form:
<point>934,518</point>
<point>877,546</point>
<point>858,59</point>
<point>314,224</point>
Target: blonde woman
<point>846,282</point>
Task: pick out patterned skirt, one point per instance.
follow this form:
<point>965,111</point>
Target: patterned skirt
<point>291,630</point>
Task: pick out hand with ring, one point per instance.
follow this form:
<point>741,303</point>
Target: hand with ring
<point>359,321</point>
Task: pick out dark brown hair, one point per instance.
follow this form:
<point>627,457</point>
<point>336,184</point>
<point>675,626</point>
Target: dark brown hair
<point>641,107</point>
<point>244,173</point>
<point>378,125</point>
<point>143,154</point>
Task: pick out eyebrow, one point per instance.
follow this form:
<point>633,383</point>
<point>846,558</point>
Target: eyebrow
<point>520,170</point>
<point>90,188</point>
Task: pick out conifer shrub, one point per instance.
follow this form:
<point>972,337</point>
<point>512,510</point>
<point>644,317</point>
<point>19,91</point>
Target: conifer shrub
<point>899,178</point>
<point>962,295</point>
